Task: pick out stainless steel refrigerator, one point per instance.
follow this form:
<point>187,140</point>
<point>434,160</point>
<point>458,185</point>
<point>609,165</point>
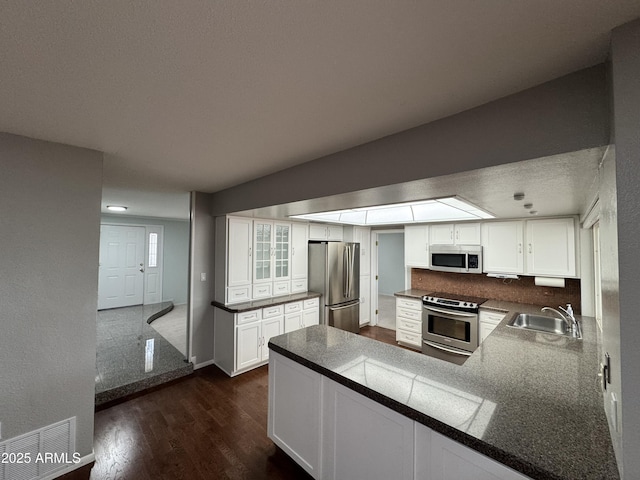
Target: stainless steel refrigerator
<point>334,271</point>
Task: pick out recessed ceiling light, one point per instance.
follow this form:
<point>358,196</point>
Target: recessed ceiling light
<point>518,196</point>
<point>434,210</point>
<point>116,208</point>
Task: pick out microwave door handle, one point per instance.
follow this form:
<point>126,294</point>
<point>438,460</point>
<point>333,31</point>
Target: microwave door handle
<point>450,350</point>
<point>466,262</point>
<point>450,312</point>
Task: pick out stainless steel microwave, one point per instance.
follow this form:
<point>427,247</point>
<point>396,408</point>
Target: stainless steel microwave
<point>456,258</point>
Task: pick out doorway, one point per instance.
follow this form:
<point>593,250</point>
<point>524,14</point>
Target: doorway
<point>390,274</point>
<point>130,265</point>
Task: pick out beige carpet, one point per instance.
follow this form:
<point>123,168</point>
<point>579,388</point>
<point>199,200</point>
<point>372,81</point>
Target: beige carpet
<point>173,327</point>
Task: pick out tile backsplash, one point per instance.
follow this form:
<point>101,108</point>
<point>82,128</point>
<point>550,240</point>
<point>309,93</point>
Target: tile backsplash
<point>521,291</point>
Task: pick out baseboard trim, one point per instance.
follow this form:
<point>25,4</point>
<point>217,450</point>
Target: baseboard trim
<point>203,364</point>
<point>86,460</point>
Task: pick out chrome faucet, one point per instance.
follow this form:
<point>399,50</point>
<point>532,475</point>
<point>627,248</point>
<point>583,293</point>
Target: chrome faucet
<point>569,319</point>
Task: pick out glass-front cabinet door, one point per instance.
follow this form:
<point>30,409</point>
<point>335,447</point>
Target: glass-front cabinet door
<point>262,251</point>
<point>272,251</point>
<point>281,248</point>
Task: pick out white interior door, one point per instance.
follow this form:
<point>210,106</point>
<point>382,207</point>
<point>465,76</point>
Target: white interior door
<point>121,272</point>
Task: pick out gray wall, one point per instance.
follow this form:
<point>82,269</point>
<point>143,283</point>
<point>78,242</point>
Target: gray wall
<point>622,328</point>
<point>390,263</point>
<point>175,278</point>
<point>568,114</point>
<point>564,115</point>
<point>49,238</point>
<point>201,293</point>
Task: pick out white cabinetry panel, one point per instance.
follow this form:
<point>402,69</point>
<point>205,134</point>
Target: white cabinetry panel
<point>416,246</point>
<point>455,234</point>
<point>551,247</point>
<point>299,257</point>
<point>294,412</point>
<point>409,322</point>
<point>319,231</point>
<point>362,438</point>
<point>239,252</point>
<point>489,320</point>
<point>503,247</point>
<point>453,461</point>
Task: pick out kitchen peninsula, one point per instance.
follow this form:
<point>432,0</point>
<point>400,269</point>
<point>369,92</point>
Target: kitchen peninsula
<point>525,405</point>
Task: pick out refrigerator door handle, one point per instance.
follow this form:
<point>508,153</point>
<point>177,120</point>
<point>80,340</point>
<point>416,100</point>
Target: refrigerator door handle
<point>345,272</point>
<point>342,307</point>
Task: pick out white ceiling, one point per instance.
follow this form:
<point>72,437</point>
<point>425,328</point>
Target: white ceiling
<point>205,95</point>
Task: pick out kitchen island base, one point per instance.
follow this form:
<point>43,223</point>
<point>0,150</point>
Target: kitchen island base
<point>334,432</point>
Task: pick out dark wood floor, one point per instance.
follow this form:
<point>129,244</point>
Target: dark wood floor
<point>205,426</point>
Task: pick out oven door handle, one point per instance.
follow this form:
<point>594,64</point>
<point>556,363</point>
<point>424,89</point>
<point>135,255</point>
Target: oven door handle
<point>449,350</point>
<point>450,312</point>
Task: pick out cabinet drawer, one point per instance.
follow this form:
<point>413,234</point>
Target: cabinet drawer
<point>293,307</point>
<point>262,290</point>
<point>281,288</point>
<point>299,285</point>
<point>246,317</point>
<point>409,303</point>
<point>491,317</point>
<point>269,312</point>
<point>409,338</point>
<point>409,325</point>
<point>238,294</point>
<point>410,314</point>
<point>311,303</point>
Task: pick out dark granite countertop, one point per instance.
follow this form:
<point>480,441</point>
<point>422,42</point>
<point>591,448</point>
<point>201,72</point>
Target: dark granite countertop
<point>265,302</point>
<point>412,293</point>
<point>529,400</point>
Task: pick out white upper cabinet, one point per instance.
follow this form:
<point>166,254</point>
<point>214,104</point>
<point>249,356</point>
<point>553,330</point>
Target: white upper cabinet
<point>272,258</point>
<point>551,247</point>
<point>239,266</point>
<point>503,247</point>
<point>320,231</point>
<point>299,251</point>
<point>454,234</point>
<point>416,246</point>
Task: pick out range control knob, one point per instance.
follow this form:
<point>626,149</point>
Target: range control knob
<point>464,304</point>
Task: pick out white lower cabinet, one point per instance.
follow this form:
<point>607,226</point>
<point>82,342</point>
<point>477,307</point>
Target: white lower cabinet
<point>334,432</point>
<point>488,320</point>
<point>294,412</point>
<point>301,314</point>
<point>450,460</point>
<point>409,322</point>
<point>253,340</point>
<point>363,439</point>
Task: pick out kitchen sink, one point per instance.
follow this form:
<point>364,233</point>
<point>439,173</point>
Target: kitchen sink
<point>540,323</point>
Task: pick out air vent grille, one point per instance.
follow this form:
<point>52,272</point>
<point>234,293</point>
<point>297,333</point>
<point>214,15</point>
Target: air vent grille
<point>41,452</point>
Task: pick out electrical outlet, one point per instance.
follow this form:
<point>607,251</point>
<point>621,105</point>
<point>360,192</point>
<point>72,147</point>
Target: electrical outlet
<point>203,277</point>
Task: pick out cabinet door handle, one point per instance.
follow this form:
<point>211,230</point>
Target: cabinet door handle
<point>520,248</point>
<point>457,234</point>
<point>249,251</point>
<point>530,248</point>
<point>293,251</point>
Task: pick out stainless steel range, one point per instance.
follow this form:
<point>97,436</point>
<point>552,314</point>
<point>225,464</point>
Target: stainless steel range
<point>450,326</point>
